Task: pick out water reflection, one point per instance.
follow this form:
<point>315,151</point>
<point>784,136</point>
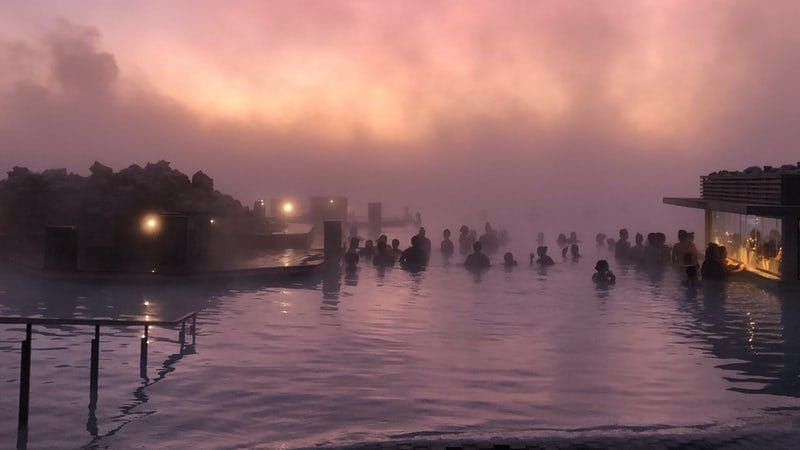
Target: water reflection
<point>545,343</point>
<point>351,277</point>
<point>128,413</point>
<point>758,329</point>
<point>33,295</point>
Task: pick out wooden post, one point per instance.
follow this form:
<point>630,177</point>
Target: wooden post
<point>24,382</point>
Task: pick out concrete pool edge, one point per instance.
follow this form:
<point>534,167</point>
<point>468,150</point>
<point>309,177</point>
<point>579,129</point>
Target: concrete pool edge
<point>778,438</point>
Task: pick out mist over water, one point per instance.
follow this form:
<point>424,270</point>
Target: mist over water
<point>570,115</point>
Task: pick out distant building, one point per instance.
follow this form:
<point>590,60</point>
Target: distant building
<point>327,208</point>
<point>260,208</point>
<point>755,214</point>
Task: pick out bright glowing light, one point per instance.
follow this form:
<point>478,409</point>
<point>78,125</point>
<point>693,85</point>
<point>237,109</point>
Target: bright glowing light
<point>211,221</point>
<point>288,207</point>
<point>150,224</point>
<point>146,303</point>
<point>330,201</point>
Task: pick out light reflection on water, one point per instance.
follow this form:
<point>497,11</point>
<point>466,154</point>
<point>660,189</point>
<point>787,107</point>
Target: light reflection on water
<point>372,354</point>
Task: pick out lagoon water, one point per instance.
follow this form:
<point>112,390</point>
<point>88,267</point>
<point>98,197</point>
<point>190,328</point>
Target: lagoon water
<point>373,356</point>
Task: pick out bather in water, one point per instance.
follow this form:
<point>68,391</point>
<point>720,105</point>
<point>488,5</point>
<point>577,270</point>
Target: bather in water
<point>603,274</point>
<point>543,259</point>
<point>575,252</point>
<point>489,240</point>
<point>622,245</point>
<point>383,255</point>
<point>508,260</point>
<point>424,243</point>
<point>600,239</point>
<point>396,252</point>
<point>464,242</point>
<point>368,250</point>
<point>351,256</point>
<point>636,253</point>
<point>414,256</point>
<point>477,260</point>
<point>446,246</point>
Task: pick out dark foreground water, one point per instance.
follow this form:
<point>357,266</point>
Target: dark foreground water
<point>391,355</point>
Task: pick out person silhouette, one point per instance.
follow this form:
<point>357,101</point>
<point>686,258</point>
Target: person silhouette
<point>477,260</point>
<point>424,243</point>
<point>351,256</point>
<point>368,250</point>
<point>489,240</point>
<point>508,260</point>
<point>574,251</point>
<point>383,254</point>
<point>636,253</point>
<point>446,246</point>
<point>622,245</point>
<point>603,274</point>
<point>543,259</point>
<point>600,239</point>
<point>414,255</point>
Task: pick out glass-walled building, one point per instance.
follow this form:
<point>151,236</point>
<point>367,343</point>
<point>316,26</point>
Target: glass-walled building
<point>755,216</point>
<point>754,241</point>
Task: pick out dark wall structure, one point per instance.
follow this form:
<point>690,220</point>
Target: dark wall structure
<point>106,208</point>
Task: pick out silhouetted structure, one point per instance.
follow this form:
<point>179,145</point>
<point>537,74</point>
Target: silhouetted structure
<point>61,248</point>
<point>375,218</point>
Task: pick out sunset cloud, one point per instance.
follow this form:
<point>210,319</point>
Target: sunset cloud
<point>516,92</point>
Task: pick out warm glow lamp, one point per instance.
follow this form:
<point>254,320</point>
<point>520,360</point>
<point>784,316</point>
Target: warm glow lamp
<point>150,224</point>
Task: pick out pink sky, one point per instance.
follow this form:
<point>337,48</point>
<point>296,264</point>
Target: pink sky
<point>598,105</point>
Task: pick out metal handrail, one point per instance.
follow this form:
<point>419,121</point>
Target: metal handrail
<point>95,322</point>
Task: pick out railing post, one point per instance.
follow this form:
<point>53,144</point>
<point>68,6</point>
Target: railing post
<point>143,352</point>
<point>194,327</point>
<point>95,364</point>
<point>24,385</point>
<point>182,334</point>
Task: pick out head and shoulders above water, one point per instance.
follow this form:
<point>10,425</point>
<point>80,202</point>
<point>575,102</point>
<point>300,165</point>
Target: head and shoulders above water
<point>542,258</point>
<point>603,273</point>
<point>477,259</point>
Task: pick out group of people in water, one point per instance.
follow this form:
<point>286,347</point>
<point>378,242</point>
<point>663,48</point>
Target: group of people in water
<point>476,250</point>
<point>684,254</point>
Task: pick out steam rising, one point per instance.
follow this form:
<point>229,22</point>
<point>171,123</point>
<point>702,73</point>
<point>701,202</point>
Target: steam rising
<point>545,115</point>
